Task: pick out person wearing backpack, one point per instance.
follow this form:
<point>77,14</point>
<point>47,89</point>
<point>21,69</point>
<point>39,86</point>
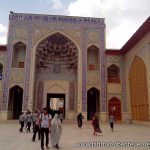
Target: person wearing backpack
<point>45,122</point>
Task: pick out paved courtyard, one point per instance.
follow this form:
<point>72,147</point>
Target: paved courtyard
<point>11,139</point>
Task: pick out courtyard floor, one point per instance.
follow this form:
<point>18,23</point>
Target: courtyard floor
<point>11,139</point>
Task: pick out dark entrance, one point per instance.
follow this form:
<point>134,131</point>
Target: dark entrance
<point>59,100</point>
<point>92,102</point>
<point>114,107</point>
<point>15,101</point>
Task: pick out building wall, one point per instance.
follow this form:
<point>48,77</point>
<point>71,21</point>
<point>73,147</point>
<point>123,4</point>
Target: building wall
<point>3,62</point>
<point>62,87</point>
<point>142,50</point>
<point>84,33</point>
<point>115,89</point>
<point>31,30</point>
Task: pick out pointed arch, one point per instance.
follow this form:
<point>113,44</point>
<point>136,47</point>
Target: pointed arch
<point>55,66</point>
<point>57,32</point>
<point>59,49</point>
<point>19,55</point>
<point>93,102</point>
<point>139,90</point>
<point>93,58</point>
<point>113,73</point>
<point>114,107</point>
<point>56,88</point>
<point>15,101</point>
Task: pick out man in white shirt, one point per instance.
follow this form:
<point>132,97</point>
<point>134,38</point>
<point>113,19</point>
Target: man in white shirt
<point>45,122</point>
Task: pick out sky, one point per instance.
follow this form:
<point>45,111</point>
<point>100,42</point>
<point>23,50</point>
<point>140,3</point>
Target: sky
<point>122,17</point>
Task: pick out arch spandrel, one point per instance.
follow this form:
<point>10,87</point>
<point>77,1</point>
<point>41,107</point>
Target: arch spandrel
<point>73,35</point>
<point>56,88</point>
<point>14,84</point>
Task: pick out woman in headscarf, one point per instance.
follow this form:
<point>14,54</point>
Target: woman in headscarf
<point>95,123</point>
<point>56,130</point>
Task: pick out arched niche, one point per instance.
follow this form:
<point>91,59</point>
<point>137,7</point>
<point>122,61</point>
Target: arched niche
<point>56,89</point>
<point>114,107</point>
<point>15,101</point>
<point>93,102</point>
<point>113,74</point>
<point>93,58</point>
<point>19,55</point>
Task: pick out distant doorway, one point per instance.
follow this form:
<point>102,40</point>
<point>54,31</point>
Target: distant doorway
<point>15,101</point>
<point>56,102</point>
<point>92,102</point>
<point>114,106</point>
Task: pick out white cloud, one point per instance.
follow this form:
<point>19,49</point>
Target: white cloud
<point>118,35</point>
<point>3,40</point>
<point>3,34</point>
<point>123,17</point>
<point>56,4</point>
<point>3,29</point>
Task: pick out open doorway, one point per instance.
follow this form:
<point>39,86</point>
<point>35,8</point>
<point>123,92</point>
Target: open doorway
<point>15,101</point>
<point>92,102</point>
<point>114,107</point>
<point>56,102</point>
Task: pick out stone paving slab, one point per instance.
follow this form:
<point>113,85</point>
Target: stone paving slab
<point>11,139</point>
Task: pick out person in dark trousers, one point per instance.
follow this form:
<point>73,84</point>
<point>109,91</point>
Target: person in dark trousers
<point>34,114</point>
<point>37,127</point>
<point>29,121</point>
<point>61,116</point>
<point>79,119</point>
<point>21,121</point>
<point>111,121</point>
<point>26,126</point>
<point>45,121</point>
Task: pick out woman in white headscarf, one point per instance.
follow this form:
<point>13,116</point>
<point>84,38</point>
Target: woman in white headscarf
<point>56,130</point>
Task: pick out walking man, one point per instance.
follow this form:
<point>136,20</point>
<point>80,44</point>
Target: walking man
<point>111,121</point>
<point>45,121</point>
<point>37,127</point>
<point>34,115</point>
<point>29,121</point>
<point>21,121</point>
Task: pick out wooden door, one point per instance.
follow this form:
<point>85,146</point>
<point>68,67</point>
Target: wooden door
<point>114,107</point>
